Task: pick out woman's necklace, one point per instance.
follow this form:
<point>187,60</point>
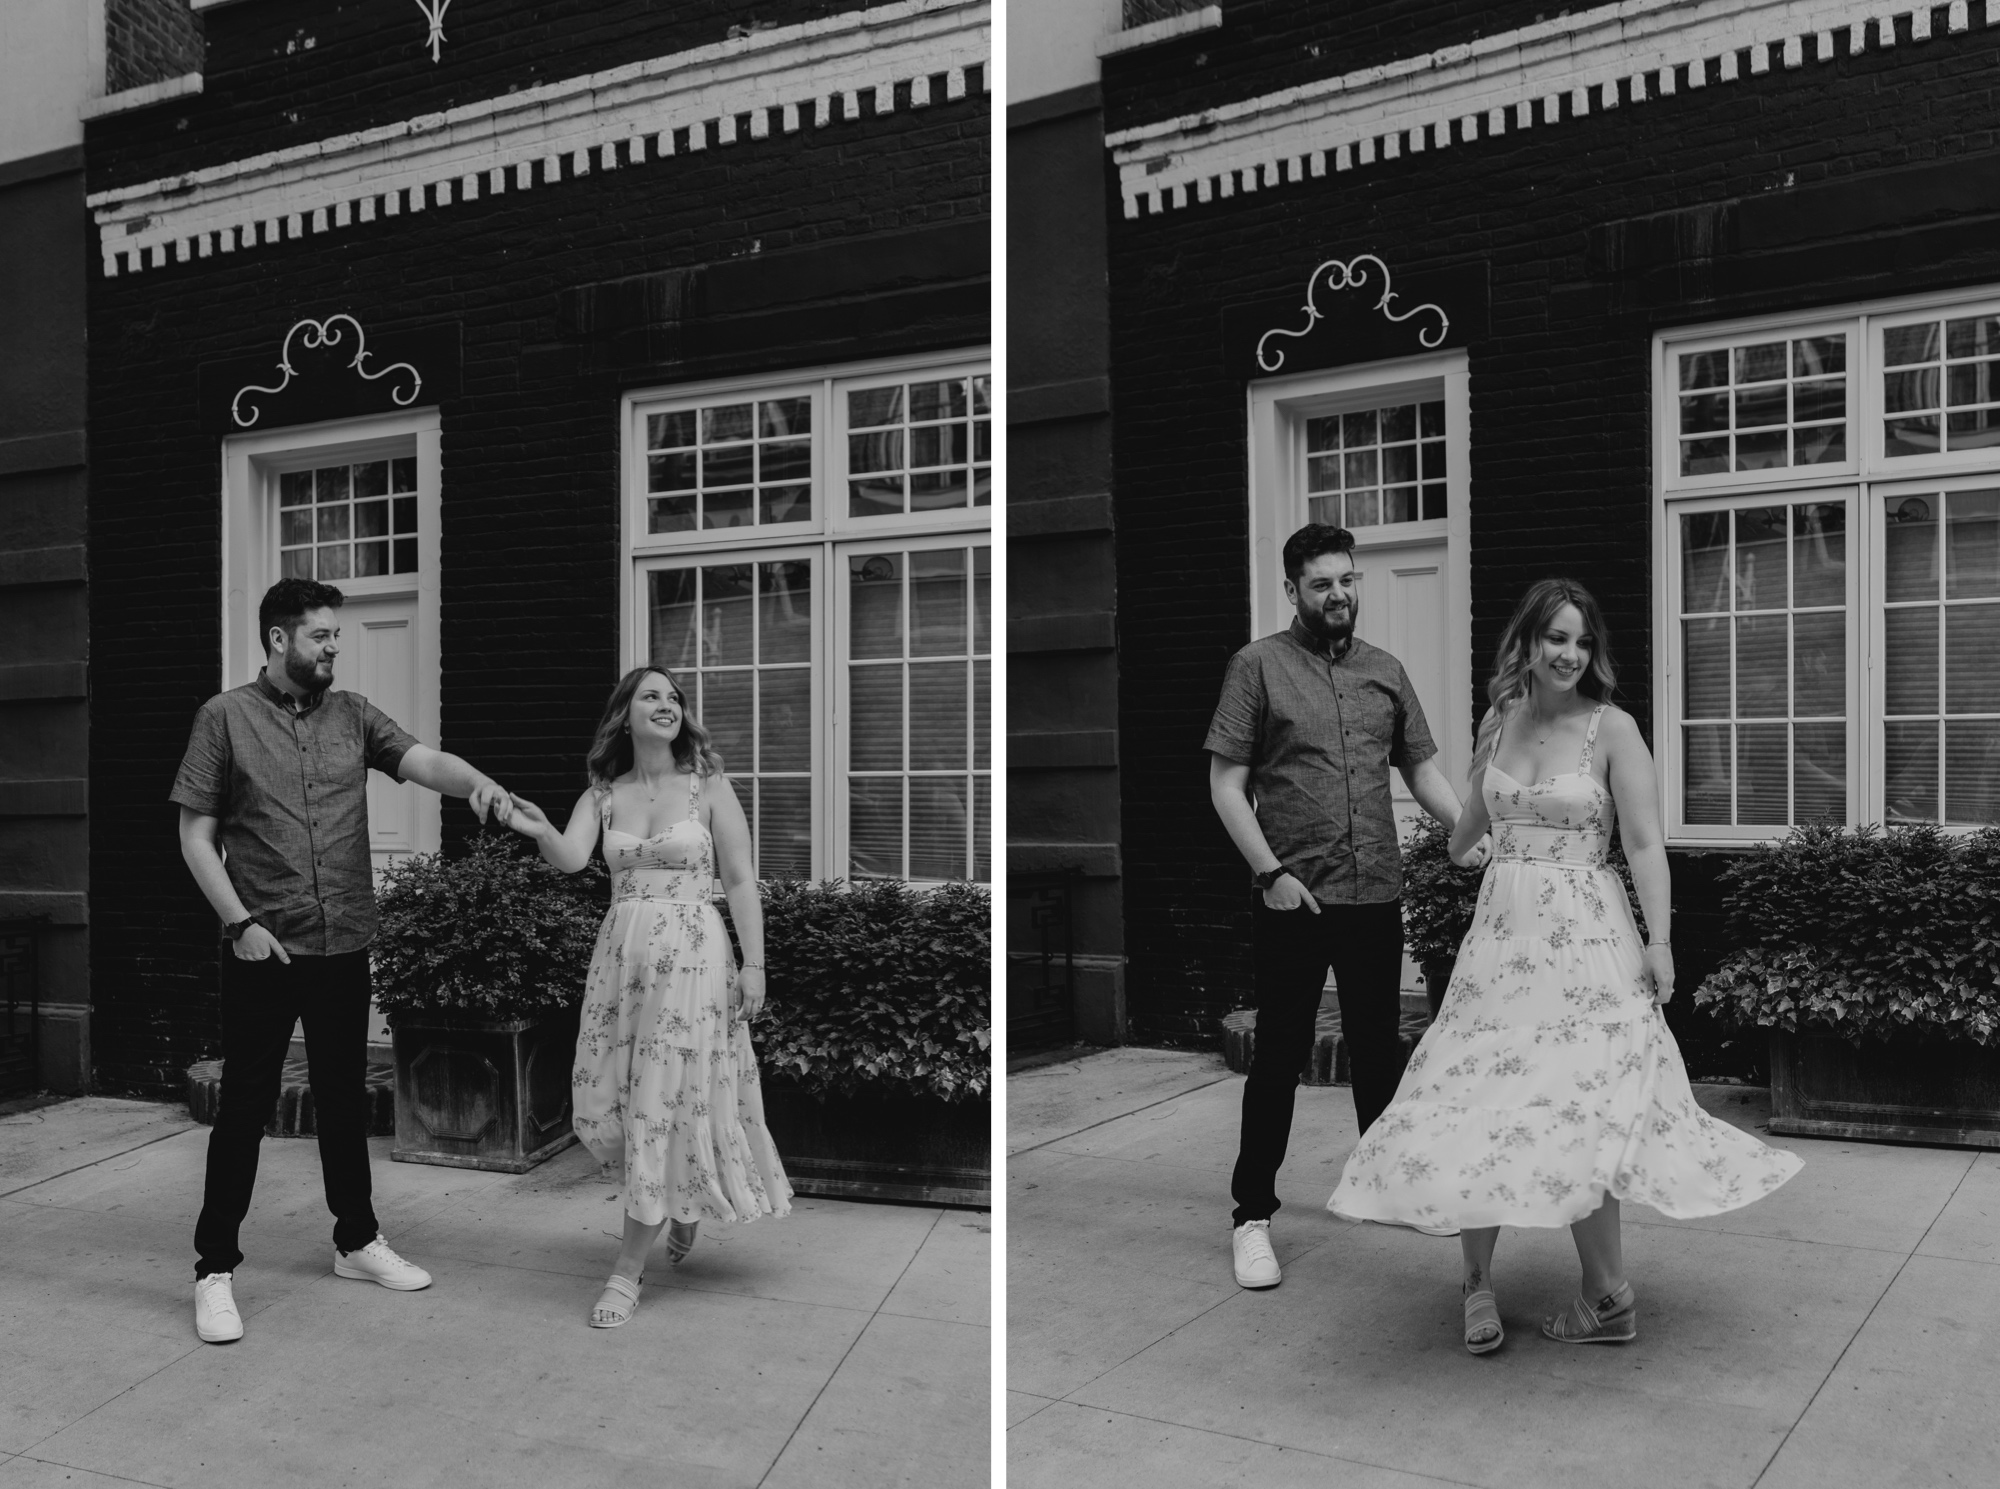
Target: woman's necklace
<point>652,791</point>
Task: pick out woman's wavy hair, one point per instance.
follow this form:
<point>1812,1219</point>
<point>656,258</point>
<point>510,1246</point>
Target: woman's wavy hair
<point>611,751</point>
<point>1523,636</point>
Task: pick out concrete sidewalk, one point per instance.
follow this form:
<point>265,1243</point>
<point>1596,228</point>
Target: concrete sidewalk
<point>1843,1332</point>
<point>847,1344</point>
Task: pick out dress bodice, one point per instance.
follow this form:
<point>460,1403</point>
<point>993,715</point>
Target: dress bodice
<point>677,864</point>
<point>1564,819</point>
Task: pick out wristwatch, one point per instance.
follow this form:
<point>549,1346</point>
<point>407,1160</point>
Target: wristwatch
<point>1269,877</point>
<point>235,929</point>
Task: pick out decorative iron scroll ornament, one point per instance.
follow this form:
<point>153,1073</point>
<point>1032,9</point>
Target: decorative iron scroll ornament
<point>318,334</point>
<point>1351,275</point>
<point>434,13</point>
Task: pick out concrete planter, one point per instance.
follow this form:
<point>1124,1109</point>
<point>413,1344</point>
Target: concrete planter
<point>486,1093</point>
<point>1437,977</point>
<point>1898,1092</point>
<point>914,1149</point>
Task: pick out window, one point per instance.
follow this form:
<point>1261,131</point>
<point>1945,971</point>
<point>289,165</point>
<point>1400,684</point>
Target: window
<point>348,521</point>
<point>1363,468</point>
<point>1830,546</point>
<point>812,558</point>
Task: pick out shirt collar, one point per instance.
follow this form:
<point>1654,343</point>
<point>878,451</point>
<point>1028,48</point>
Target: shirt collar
<point>1316,646</point>
<point>285,700</point>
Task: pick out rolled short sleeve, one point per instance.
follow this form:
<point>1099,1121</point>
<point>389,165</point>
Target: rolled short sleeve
<point>202,783</point>
<point>1413,744</point>
<point>1238,724</point>
<point>384,742</point>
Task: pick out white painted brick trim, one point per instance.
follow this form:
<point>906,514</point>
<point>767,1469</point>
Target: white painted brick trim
<point>788,68</point>
<point>1494,81</point>
<point>1185,24</point>
<point>139,98</point>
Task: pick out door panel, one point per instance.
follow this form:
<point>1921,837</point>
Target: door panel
<point>378,659</point>
<point>1404,611</point>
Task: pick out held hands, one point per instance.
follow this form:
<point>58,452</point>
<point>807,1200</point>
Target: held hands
<point>257,944</point>
<point>523,816</point>
<point>488,798</point>
<point>1657,973</point>
<point>747,999</point>
<point>1286,893</point>
<point>1476,856</point>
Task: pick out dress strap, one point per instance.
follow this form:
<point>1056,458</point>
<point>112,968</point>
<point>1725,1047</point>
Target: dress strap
<point>694,791</point>
<point>1590,741</point>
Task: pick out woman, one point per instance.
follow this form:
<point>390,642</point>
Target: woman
<point>665,1080</point>
<point>1548,1088</point>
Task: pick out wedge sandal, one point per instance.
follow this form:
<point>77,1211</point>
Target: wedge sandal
<point>1612,1319</point>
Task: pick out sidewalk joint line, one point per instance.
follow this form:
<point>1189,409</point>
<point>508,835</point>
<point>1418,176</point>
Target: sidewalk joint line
<point>1971,1163</point>
<point>51,1178</point>
<point>804,1416</point>
<point>1093,1126</point>
<point>29,1457</point>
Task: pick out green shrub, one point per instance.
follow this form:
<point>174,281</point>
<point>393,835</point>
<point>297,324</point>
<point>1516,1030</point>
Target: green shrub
<point>1440,898</point>
<point>494,931</point>
<point>875,986</point>
<point>1865,934</point>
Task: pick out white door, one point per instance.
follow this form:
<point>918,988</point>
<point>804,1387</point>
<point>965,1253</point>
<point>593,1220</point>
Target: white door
<point>378,659</point>
<point>1404,611</point>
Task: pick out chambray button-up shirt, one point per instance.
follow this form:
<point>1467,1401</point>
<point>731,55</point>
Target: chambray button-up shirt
<point>1320,734</point>
<point>289,782</point>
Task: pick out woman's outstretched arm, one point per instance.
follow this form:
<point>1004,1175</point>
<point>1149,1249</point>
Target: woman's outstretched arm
<point>568,850</point>
<point>734,865</point>
<point>1473,820</point>
<point>1635,789</point>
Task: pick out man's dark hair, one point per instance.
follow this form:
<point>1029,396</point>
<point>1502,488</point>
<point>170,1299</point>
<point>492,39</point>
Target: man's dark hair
<point>1310,541</point>
<point>286,603</point>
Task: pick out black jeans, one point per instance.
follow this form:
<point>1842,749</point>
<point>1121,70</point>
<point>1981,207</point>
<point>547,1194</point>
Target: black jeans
<point>260,1002</point>
<point>1364,946</point>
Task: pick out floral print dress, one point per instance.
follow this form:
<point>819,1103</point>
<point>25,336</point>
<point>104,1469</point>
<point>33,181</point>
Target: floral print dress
<point>1549,1078</point>
<point>665,1084</point>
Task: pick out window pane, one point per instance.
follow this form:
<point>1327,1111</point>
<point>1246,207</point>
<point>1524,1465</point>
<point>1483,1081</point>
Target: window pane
<point>1399,465</point>
<point>1972,772</point>
<point>784,504</point>
<point>877,497</point>
<point>784,719</point>
<point>1757,407</point>
<point>869,407</point>
<point>1816,356</point>
<point>1912,547</point>
<point>1910,392</point>
<point>1761,451</point>
<point>982,600</point>
<point>1819,665</point>
<point>1972,659</point>
<point>371,479</point>
<point>1977,336</point>
<point>1910,770</point>
<point>1705,562</point>
<point>403,474</point>
<point>406,555</point>
<point>725,509</point>
<point>1704,369</point>
<point>726,715</point>
<point>1704,457</point>
<point>1358,428</point>
<point>1902,345</point>
<point>1706,783</point>
<point>1819,554</point>
<point>371,519</point>
<point>1762,778</point>
<point>1762,363</point>
<point>1761,644</point>
<point>940,400</point>
<point>787,460</point>
<point>935,491</point>
<point>1434,502</point>
<point>1823,444</point>
<point>371,559</point>
<point>295,527</point>
<point>1323,433</point>
<point>675,472</point>
<point>875,452</point>
<point>725,615</point>
<point>1819,773</point>
<point>1399,423</point>
<point>938,828</point>
<point>670,514</point>
<point>1433,461</point>
<point>1910,436</point>
<point>671,640</point>
<point>875,707</point>
<point>1399,504</point>
<point>330,485</point>
<point>295,488</point>
<point>333,523</point>
<point>778,417</point>
<point>1972,545</point>
<point>938,716</point>
<point>875,828</point>
<point>1360,468</point>
<point>725,422</point>
<point>1910,644</point>
<point>1975,430</point>
<point>982,830</point>
<point>297,564</point>
<point>784,621</point>
<point>982,723</point>
<point>406,514</point>
<point>784,828</point>
<point>1430,419</point>
<point>1364,508</point>
<point>673,431</point>
<point>937,603</point>
<point>728,465</point>
<point>1703,413</point>
<point>875,608</point>
<point>1760,558</point>
<point>1706,669</point>
<point>333,562</point>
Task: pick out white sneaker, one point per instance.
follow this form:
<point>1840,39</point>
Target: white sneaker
<point>215,1317</point>
<point>1256,1262</point>
<point>375,1262</point>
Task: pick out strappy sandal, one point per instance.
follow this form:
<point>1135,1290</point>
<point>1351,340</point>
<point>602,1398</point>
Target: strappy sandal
<point>617,1303</point>
<point>1612,1319</point>
<point>1482,1312</point>
<point>680,1240</point>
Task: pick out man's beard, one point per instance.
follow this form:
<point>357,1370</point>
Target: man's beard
<point>1324,626</point>
<point>303,673</point>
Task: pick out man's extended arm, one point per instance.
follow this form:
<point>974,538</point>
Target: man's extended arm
<point>448,775</point>
<point>1433,792</point>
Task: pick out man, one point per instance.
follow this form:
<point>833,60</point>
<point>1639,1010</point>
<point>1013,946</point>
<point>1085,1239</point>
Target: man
<point>1309,722</point>
<point>274,828</point>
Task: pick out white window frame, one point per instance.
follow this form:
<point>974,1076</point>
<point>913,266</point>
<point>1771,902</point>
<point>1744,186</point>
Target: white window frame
<point>827,538</point>
<point>1277,410</point>
<point>1864,482</point>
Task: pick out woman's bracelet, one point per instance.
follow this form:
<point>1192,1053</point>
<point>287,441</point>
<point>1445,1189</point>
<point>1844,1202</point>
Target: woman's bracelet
<point>751,967</point>
<point>1651,944</point>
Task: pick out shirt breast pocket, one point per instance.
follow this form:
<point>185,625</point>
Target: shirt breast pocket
<point>1375,721</point>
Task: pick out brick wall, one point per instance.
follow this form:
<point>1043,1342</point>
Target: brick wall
<point>147,41</point>
<point>1560,387</point>
<point>530,444</point>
